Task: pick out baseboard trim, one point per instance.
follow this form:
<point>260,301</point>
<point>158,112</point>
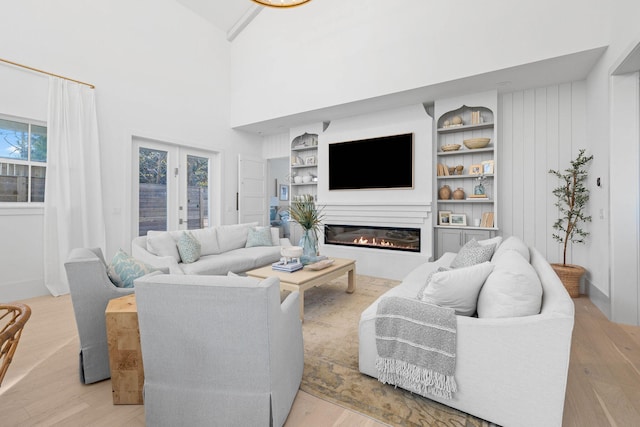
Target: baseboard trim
<point>598,298</point>
<point>18,291</point>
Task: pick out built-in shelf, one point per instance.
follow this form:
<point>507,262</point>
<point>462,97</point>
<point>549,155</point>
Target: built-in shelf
<point>466,151</point>
<point>467,227</point>
<point>463,128</point>
<point>463,176</point>
<point>304,148</point>
<point>464,201</point>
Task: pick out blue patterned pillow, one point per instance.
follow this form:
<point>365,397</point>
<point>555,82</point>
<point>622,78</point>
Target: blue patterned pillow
<point>124,269</point>
<point>189,248</point>
<point>259,236</point>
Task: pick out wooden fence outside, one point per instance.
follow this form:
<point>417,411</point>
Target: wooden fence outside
<point>153,208</point>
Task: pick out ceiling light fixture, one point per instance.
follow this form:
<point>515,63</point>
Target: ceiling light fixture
<point>281,3</point>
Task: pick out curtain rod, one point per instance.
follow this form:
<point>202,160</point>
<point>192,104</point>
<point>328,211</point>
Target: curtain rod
<point>46,72</point>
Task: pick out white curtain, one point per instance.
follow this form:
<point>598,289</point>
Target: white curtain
<point>73,215</point>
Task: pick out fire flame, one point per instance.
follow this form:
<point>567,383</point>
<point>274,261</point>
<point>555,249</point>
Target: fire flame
<point>364,241</point>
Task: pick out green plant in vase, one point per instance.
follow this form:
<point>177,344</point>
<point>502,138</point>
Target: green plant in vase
<point>305,212</point>
<point>572,197</point>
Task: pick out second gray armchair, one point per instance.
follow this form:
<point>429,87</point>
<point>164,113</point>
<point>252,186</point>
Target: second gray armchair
<point>218,351</point>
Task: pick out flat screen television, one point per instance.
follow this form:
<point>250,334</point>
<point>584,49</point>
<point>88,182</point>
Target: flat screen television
<point>375,163</point>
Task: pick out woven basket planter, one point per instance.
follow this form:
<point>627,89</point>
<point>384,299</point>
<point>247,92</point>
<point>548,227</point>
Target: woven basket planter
<point>570,276</point>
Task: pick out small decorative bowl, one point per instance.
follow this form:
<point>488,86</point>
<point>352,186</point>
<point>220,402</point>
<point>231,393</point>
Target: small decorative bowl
<point>450,147</point>
<point>476,143</point>
<point>291,251</point>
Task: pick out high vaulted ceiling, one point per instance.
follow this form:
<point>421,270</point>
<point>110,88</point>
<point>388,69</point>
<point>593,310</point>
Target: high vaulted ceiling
<point>230,16</point>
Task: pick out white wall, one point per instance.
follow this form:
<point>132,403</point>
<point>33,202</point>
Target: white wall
<point>332,52</point>
<point>160,72</point>
<point>543,129</point>
<point>621,205</point>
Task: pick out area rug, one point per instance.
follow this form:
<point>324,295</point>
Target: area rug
<point>331,372</point>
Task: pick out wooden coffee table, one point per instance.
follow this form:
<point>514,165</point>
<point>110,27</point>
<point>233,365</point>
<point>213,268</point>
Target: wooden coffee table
<point>304,279</point>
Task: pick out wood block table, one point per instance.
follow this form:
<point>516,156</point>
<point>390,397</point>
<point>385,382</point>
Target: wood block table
<point>125,354</point>
<point>304,279</point>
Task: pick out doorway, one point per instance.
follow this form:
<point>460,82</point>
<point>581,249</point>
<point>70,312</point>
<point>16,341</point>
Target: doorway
<point>172,188</point>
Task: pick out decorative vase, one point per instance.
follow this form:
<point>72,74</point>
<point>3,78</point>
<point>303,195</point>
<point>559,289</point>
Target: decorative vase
<point>570,276</point>
<point>458,194</point>
<point>444,193</point>
<point>308,243</point>
<point>479,190</point>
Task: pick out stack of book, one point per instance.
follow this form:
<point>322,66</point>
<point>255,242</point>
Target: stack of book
<point>287,266</point>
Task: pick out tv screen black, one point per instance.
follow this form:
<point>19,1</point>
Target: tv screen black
<point>385,162</point>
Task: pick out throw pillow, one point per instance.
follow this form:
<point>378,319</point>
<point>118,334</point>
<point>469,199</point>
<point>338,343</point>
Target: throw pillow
<point>161,243</point>
<point>512,243</point>
<point>124,269</point>
<point>259,236</point>
<point>233,236</point>
<point>458,288</point>
<point>513,289</point>
<point>493,241</point>
<point>429,276</point>
<point>189,248</point>
<point>471,254</point>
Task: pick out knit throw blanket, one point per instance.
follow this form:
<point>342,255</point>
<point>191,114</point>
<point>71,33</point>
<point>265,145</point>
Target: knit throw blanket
<point>416,344</point>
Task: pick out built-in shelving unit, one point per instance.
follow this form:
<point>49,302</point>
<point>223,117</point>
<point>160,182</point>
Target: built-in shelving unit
<point>304,165</point>
<point>457,120</point>
<point>303,173</point>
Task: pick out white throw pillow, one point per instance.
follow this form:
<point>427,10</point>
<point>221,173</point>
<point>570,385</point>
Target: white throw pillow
<point>457,288</point>
<point>472,253</point>
<point>233,236</point>
<point>161,243</point>
<point>493,241</point>
<point>512,243</point>
<point>208,241</point>
<point>513,289</point>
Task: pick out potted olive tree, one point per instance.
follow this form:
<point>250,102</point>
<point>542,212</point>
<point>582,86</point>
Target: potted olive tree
<point>572,197</point>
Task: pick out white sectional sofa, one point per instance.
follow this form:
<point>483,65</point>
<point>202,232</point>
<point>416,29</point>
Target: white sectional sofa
<point>228,248</point>
<point>509,370</point>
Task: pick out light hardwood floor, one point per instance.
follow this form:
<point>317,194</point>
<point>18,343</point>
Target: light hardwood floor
<point>42,387</point>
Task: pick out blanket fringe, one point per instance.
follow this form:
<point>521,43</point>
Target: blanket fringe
<point>414,378</point>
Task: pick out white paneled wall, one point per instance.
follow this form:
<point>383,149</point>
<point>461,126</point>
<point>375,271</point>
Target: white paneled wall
<point>276,146</point>
<point>541,129</point>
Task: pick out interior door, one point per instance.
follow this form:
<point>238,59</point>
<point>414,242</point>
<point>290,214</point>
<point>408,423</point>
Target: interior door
<point>173,188</point>
<point>252,190</point>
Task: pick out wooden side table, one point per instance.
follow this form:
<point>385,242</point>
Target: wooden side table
<point>125,354</point>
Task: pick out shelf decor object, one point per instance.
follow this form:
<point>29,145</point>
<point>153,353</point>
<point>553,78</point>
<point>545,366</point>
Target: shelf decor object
<point>474,143</point>
<point>281,3</point>
<point>572,197</point>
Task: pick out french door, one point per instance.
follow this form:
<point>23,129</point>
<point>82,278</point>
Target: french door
<point>173,187</point>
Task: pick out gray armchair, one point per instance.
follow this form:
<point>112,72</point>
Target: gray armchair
<point>91,291</point>
<point>218,350</point>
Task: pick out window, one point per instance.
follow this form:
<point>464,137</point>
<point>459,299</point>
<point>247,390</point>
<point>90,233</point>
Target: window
<point>23,161</point>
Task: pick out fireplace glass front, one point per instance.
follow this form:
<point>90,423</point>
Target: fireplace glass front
<point>394,238</point>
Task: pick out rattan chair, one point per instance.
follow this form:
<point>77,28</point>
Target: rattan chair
<point>13,317</point>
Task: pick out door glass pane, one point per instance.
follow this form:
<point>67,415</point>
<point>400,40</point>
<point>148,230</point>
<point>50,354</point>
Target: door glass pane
<point>152,194</point>
<point>197,192</point>
<point>14,140</point>
<point>37,183</point>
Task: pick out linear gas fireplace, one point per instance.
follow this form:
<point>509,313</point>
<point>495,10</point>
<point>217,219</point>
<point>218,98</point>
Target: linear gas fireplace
<point>394,238</point>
